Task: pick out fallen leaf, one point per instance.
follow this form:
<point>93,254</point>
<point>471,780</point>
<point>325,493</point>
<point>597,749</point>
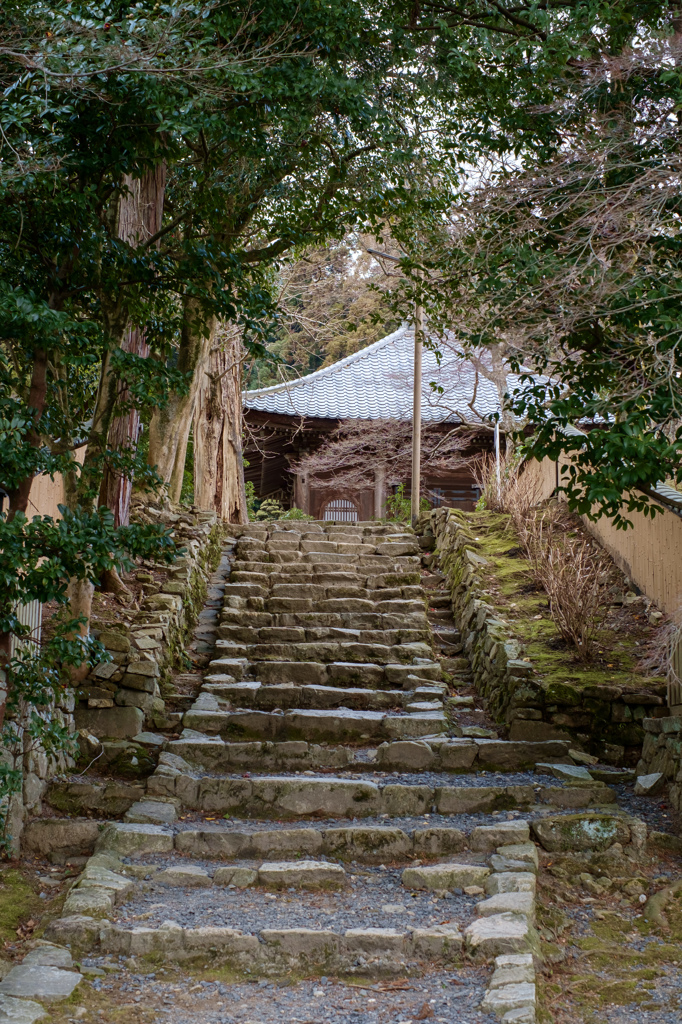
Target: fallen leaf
<point>425,1012</point>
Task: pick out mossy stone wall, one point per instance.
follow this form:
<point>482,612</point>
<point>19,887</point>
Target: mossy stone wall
<point>606,720</point>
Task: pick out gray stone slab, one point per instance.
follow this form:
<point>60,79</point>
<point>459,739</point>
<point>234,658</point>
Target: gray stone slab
<point>50,983</point>
<point>151,812</point>
<point>48,955</point>
<point>20,1011</point>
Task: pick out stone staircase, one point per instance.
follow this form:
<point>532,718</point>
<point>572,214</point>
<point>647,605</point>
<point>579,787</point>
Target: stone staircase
<point>324,812</point>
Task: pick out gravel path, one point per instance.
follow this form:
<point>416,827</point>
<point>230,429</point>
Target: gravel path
<point>465,822</point>
<point>431,779</point>
<point>441,997</point>
<point>373,899</point>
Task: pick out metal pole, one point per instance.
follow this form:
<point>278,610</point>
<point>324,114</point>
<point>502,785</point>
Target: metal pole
<point>497,456</point>
<point>416,397</point>
<point>417,412</point>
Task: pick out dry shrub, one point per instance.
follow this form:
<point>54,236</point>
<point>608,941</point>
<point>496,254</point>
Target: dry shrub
<point>663,657</point>
<point>515,492</point>
<point>573,574</point>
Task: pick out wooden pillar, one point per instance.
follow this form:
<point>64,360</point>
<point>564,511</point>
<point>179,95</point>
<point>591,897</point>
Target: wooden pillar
<point>302,493</point>
<point>379,491</point>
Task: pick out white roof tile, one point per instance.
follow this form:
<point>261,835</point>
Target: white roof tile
<point>376,383</point>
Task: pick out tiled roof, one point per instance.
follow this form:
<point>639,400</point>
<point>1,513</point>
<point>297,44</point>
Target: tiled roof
<point>376,383</point>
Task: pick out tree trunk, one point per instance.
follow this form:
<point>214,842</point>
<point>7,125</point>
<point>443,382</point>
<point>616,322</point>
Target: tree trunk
<point>80,593</point>
<point>169,428</point>
<point>139,217</point>
<point>218,465</point>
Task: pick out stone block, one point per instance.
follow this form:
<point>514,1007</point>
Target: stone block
<point>189,876</point>
<point>114,641</point>
<point>367,845</point>
<point>304,874</point>
<point>438,842</point>
<point>274,843</point>
<point>406,754</point>
<point>110,723</point>
<point>375,940</point>
<point>134,681</point>
<point>51,984</point>
<point>303,942</point>
<point>467,799</point>
<point>516,857</point>
<point>49,835</point>
<point>444,876</point>
<point>510,881</point>
<point>20,1011</point>
<point>501,933</point>
<point>133,840</point>
<point>457,755</point>
<point>241,878</point>
<point>153,812</point>
<point>507,902</point>
<point>79,931</point>
<point>439,942</point>
<point>580,832</point>
<point>501,1000</point>
<point>649,785</point>
<point>213,938</point>
<point>91,902</point>
<point>398,800</point>
<point>489,837</point>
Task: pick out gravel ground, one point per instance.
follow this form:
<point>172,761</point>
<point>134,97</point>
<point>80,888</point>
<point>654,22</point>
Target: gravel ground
<point>465,822</point>
<point>654,810</point>
<point>431,779</point>
<point>363,904</point>
<point>441,997</point>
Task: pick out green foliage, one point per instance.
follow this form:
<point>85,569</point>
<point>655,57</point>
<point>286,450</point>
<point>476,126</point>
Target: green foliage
<point>38,558</point>
<point>399,507</point>
<point>252,502</point>
<point>270,509</point>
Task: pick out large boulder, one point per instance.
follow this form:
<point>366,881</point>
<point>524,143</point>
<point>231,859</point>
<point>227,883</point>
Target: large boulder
<point>580,832</point>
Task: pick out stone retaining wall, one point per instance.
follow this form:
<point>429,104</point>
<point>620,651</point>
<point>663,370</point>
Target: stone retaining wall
<point>662,754</point>
<point>123,696</point>
<point>607,720</point>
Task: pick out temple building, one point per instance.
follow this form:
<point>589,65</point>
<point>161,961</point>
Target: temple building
<point>286,421</point>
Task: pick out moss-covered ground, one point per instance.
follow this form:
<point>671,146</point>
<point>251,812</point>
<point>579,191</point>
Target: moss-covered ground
<point>513,592</point>
<point>604,961</point>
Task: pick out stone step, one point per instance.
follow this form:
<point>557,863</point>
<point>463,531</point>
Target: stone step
<point>298,673</point>
<point>437,755</point>
<point>365,952</point>
<point>339,725</point>
<point>294,572</point>
<point>324,652</point>
<point>432,755</point>
<point>367,844</point>
<point>287,695</point>
<point>284,797</point>
<point>238,633</point>
<point>375,621</point>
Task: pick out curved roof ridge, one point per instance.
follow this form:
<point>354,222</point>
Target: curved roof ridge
<point>362,353</point>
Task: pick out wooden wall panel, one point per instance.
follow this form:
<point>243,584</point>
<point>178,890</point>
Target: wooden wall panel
<point>650,553</point>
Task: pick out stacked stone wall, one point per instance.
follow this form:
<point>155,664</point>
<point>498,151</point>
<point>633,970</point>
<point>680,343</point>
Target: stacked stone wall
<point>607,720</point>
<point>662,754</point>
<point>124,695</point>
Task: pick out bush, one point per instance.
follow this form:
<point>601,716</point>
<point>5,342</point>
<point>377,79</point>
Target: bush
<point>270,510</point>
<point>399,507</point>
<point>573,574</point>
